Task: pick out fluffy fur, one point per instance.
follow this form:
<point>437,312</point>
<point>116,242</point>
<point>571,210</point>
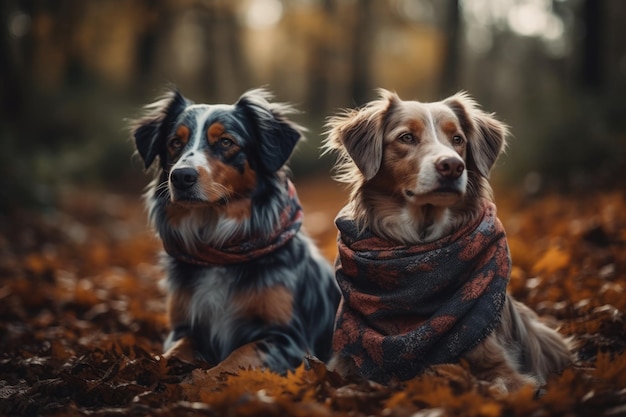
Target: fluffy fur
<point>220,178</point>
<point>419,172</point>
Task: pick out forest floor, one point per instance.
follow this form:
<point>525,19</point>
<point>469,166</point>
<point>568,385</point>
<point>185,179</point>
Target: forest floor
<point>82,318</point>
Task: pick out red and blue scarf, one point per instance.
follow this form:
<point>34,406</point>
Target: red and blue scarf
<point>245,248</point>
<point>405,308</point>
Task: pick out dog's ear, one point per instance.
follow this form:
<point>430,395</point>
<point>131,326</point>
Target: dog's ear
<point>150,132</point>
<point>277,135</point>
<point>486,135</point>
<point>360,133</point>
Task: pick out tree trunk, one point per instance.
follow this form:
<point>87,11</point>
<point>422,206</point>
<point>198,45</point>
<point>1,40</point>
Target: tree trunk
<point>448,83</point>
<point>363,39</point>
<point>592,64</point>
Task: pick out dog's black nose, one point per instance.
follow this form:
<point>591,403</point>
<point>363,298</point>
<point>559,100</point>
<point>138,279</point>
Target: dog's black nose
<point>450,167</point>
<point>184,178</point>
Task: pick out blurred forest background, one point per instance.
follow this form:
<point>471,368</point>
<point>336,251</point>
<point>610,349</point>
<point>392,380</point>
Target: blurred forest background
<point>81,314</point>
<point>73,71</point>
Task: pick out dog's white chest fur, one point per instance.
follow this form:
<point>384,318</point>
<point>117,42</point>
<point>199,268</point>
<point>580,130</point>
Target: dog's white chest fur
<point>211,296</point>
<point>406,225</point>
<point>211,303</point>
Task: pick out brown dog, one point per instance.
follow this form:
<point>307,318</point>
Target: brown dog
<point>423,260</point>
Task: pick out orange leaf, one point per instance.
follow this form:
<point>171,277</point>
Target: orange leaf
<point>553,260</point>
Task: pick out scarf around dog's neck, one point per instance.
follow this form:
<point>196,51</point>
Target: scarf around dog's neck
<point>244,248</point>
<point>405,308</point>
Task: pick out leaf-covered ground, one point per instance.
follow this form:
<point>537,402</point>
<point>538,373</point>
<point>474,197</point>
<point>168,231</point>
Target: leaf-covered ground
<point>82,319</point>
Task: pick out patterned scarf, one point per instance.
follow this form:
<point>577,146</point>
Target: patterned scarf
<point>245,248</point>
<point>407,307</point>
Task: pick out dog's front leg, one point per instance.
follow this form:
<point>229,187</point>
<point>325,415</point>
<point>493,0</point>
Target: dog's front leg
<point>179,344</point>
<point>489,362</point>
<point>278,352</point>
<point>181,349</point>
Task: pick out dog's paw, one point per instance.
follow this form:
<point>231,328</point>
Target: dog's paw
<point>512,383</point>
<point>181,350</point>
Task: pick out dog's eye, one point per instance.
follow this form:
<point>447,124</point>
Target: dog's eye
<point>175,143</point>
<point>226,143</point>
<point>407,138</point>
<point>458,140</point>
